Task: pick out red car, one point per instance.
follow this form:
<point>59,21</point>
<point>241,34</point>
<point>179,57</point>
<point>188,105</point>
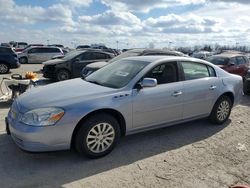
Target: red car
<point>235,64</point>
<point>232,63</point>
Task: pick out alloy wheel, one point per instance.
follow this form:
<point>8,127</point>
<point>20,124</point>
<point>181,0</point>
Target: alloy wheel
<point>223,110</point>
<point>3,68</point>
<point>100,137</point>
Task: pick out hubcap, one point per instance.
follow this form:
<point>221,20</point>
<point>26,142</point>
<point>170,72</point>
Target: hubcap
<point>22,60</point>
<point>3,68</point>
<point>100,137</point>
<point>63,76</point>
<point>223,110</point>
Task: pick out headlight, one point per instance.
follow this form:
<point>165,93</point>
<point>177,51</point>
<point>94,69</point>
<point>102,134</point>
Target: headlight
<point>42,116</point>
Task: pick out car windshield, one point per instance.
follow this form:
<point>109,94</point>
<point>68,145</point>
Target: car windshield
<point>117,74</point>
<point>218,60</point>
<point>123,55</point>
<point>71,55</point>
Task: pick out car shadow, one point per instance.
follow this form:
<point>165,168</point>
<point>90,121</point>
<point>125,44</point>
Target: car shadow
<point>245,100</point>
<point>5,104</point>
<point>55,169</point>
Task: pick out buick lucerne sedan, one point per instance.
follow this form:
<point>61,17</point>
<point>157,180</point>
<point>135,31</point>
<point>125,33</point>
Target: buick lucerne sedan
<point>128,96</point>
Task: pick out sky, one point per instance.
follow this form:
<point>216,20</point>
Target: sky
<point>126,23</point>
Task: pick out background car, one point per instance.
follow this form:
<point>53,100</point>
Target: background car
<point>8,60</point>
<point>38,54</point>
<point>71,65</point>
<point>128,96</point>
<point>232,63</point>
<point>89,69</point>
<point>19,46</point>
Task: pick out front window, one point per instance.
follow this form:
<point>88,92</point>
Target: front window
<point>117,74</point>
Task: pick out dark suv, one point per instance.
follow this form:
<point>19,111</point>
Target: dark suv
<point>89,69</point>
<point>8,60</point>
<point>70,66</point>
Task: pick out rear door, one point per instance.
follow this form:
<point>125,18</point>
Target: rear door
<point>200,89</point>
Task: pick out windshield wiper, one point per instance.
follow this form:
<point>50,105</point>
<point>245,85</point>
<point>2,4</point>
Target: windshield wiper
<point>94,82</point>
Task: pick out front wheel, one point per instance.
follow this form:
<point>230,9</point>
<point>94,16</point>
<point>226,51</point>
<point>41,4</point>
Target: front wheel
<point>221,110</point>
<point>62,75</point>
<point>4,68</point>
<point>97,136</point>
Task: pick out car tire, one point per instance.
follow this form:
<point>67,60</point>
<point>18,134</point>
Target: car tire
<point>23,60</point>
<point>97,136</point>
<point>221,110</point>
<point>62,74</point>
<point>245,88</point>
<point>4,68</point>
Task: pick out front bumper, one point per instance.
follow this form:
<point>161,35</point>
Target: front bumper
<point>35,139</point>
<point>48,72</point>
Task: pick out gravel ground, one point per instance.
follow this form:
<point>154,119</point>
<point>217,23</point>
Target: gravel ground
<point>195,154</point>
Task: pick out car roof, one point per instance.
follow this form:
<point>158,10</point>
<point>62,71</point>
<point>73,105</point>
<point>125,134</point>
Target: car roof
<point>228,55</point>
<point>154,58</point>
<point>152,50</point>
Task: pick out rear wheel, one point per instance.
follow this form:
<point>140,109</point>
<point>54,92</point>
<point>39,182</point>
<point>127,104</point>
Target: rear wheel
<point>221,110</point>
<point>23,60</point>
<point>4,68</point>
<point>97,136</point>
<point>62,75</point>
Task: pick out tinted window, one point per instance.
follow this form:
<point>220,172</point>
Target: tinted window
<point>50,50</point>
<point>218,60</point>
<point>194,70</point>
<point>233,61</point>
<point>6,50</point>
<point>87,56</point>
<point>34,50</point>
<point>165,73</point>
<point>99,56</point>
<point>240,60</point>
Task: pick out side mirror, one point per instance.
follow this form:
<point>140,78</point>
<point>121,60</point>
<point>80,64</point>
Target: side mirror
<point>77,60</point>
<point>231,63</point>
<point>147,82</point>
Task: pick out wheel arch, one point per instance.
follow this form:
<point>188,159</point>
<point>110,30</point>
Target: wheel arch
<point>57,69</point>
<point>116,114</point>
<point>230,95</point>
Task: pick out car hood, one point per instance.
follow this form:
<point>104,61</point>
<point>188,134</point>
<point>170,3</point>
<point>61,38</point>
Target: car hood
<point>53,62</point>
<point>61,94</point>
<point>97,65</point>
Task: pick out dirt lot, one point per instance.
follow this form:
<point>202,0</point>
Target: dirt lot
<point>195,154</point>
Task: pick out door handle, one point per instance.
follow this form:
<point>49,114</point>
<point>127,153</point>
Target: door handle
<point>212,87</point>
<point>177,93</point>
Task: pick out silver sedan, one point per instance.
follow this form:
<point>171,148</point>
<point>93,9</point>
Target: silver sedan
<point>129,96</point>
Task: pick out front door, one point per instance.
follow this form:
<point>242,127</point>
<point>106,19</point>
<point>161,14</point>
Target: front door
<point>160,104</point>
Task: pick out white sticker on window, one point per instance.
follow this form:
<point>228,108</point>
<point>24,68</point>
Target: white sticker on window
<point>120,73</point>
